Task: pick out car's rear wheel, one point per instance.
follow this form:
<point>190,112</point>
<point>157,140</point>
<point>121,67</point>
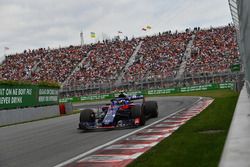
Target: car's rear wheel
<point>136,112</point>
<point>151,108</point>
<point>87,115</point>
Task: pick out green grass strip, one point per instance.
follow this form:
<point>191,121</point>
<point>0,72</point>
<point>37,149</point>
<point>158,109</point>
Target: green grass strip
<point>199,142</point>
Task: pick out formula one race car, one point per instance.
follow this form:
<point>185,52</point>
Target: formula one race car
<point>123,111</point>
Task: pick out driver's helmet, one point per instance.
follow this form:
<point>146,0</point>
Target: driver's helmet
<point>121,102</point>
<point>122,95</point>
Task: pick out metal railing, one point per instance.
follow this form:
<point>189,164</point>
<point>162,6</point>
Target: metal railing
<point>154,83</point>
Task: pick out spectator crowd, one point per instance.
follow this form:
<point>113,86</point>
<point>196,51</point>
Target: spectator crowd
<point>159,56</point>
<point>42,64</point>
<point>104,63</point>
<point>214,50</point>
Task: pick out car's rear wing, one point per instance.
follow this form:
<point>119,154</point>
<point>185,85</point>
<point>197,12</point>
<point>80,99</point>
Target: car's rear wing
<point>130,97</point>
<point>135,97</point>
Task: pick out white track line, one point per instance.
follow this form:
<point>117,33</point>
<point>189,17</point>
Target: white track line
<point>146,138</point>
<point>130,146</point>
<point>117,139</point>
<point>110,158</point>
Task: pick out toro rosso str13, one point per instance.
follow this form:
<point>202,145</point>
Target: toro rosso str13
<point>123,111</point>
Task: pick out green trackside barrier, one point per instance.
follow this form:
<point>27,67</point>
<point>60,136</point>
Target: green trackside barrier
<point>226,85</point>
<point>191,88</point>
<point>69,99</point>
<point>86,98</point>
<point>199,88</point>
<point>19,96</point>
<point>211,86</point>
<point>161,91</point>
<point>47,96</point>
<point>96,97</point>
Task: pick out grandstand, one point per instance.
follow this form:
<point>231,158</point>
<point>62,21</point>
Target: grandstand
<point>214,51</point>
<point>164,60</point>
<point>104,63</point>
<point>159,56</point>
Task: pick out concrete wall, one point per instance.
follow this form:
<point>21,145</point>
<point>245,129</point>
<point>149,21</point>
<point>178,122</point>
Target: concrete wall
<point>27,114</point>
<point>244,21</point>
<point>237,147</point>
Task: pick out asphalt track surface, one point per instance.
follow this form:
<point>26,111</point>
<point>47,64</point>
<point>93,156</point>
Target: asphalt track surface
<point>52,141</point>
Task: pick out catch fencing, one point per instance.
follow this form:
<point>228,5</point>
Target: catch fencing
<point>212,86</point>
<point>96,89</point>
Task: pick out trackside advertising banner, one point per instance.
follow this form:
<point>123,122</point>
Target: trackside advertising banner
<point>26,96</point>
<point>47,96</point>
<point>152,92</point>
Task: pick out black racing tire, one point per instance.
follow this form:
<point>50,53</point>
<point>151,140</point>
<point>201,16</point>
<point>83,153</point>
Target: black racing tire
<point>136,112</point>
<point>87,115</point>
<point>151,107</point>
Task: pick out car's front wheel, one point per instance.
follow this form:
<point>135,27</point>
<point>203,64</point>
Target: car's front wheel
<point>87,115</point>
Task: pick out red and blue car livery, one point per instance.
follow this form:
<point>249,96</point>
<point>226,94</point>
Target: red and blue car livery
<point>123,111</point>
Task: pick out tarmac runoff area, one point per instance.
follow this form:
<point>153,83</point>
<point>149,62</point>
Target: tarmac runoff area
<point>57,142</point>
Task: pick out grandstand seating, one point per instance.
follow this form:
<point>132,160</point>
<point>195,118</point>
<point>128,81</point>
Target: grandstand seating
<point>42,64</point>
<point>214,50</point>
<point>159,56</point>
<point>19,66</point>
<point>105,62</point>
<point>58,63</point>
